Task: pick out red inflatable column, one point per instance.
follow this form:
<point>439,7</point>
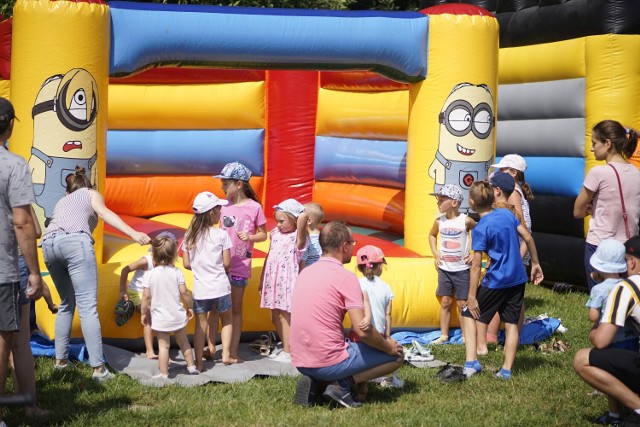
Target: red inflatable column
<point>292,98</point>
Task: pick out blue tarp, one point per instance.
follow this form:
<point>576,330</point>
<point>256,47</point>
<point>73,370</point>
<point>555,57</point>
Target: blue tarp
<point>43,346</point>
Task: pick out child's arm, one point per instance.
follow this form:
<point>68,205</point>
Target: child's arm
<point>433,242</point>
<point>470,223</point>
<point>259,236</point>
<point>474,273</point>
<point>594,315</point>
<point>365,323</point>
<point>146,301</point>
<point>186,261</point>
<point>140,264</point>
<point>515,200</point>
<point>303,232</point>
<point>226,259</point>
<point>536,270</point>
<point>387,329</point>
<point>187,298</point>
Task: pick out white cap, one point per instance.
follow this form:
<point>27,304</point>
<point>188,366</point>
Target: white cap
<point>609,257</point>
<point>291,206</point>
<point>512,161</point>
<point>206,201</point>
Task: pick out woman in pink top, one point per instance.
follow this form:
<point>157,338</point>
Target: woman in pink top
<point>601,191</point>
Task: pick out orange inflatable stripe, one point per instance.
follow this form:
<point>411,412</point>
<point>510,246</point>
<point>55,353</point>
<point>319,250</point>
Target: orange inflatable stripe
<point>359,81</point>
<point>144,196</point>
<point>362,205</point>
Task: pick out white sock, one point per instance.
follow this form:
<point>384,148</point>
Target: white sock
<point>637,411</point>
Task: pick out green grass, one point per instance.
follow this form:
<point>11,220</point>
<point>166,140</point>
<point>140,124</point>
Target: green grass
<point>543,391</point>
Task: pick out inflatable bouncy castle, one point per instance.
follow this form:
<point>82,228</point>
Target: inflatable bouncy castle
<point>155,99</point>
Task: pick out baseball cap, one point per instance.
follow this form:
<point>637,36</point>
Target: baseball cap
<point>206,201</point>
<point>503,181</point>
<point>7,113</point>
<point>451,191</point>
<point>512,161</point>
<point>291,206</point>
<point>235,170</point>
<point>632,246</point>
<point>369,254</point>
<point>609,257</point>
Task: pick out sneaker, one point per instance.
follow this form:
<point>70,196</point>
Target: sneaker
<point>472,370</point>
<point>503,375</point>
<point>391,382</point>
<point>282,357</point>
<point>106,375</point>
<point>345,399</point>
<point>443,339</point>
<point>192,370</point>
<point>305,392</point>
<point>452,374</point>
<point>633,420</point>
<point>606,419</point>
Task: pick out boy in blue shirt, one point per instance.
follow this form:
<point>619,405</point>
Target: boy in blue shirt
<point>502,288</point>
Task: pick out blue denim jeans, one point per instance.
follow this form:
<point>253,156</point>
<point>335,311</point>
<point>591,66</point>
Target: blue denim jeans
<point>71,261</point>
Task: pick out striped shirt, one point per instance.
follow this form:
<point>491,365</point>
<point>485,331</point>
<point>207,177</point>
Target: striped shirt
<point>623,302</point>
<point>73,214</point>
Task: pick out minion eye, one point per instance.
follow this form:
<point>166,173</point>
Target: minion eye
<point>459,119</point>
<point>482,121</point>
<point>78,105</point>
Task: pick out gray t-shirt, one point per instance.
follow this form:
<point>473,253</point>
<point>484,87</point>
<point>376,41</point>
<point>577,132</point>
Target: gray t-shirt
<point>15,190</point>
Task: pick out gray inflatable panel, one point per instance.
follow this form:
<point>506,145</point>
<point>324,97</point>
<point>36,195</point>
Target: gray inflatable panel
<point>541,100</point>
<point>541,138</point>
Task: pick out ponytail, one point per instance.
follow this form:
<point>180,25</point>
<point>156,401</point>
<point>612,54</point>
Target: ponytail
<point>623,141</point>
<point>526,189</point>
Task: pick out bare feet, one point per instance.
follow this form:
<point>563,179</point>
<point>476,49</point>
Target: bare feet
<point>152,356</point>
<point>207,354</point>
<point>482,351</point>
<point>230,361</point>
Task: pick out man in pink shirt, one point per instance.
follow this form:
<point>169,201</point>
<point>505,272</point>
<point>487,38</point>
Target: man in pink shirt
<point>323,294</point>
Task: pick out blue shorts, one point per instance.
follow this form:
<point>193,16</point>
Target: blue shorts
<point>221,304</point>
<point>361,358</point>
<point>238,281</point>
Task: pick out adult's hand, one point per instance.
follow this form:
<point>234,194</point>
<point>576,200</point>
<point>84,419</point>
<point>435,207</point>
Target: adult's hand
<point>140,237</point>
<point>472,306</point>
<point>34,286</point>
<point>394,349</point>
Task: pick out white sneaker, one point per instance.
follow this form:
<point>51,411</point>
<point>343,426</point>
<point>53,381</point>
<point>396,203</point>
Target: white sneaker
<point>422,351</point>
<point>391,382</point>
<point>282,357</point>
<point>275,353</point>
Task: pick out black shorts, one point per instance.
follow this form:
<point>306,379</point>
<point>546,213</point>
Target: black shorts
<point>507,302</point>
<point>622,364</point>
<point>9,307</point>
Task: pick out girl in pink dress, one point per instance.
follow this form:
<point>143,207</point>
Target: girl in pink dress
<point>289,240</point>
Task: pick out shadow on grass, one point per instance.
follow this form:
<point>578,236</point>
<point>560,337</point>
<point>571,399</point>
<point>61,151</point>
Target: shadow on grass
<point>533,302</point>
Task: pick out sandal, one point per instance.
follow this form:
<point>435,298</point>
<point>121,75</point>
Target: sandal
<point>263,345</point>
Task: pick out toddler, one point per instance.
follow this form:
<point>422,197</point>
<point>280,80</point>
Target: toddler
<point>207,254</point>
<point>313,252</point>
<point>452,256</point>
<point>288,243</point>
<point>162,289</point>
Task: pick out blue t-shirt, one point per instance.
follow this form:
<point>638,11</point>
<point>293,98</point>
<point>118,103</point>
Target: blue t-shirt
<point>496,234</point>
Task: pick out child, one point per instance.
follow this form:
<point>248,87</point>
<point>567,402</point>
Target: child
<point>246,224</point>
<point>313,252</point>
<point>378,298</point>
<point>502,288</point>
<point>288,243</point>
<point>162,289</point>
<point>609,263</point>
<point>134,292</point>
<point>207,253</point>
<point>452,258</point>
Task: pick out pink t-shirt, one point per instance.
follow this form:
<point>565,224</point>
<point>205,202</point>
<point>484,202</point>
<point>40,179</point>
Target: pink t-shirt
<point>246,217</point>
<point>322,295</point>
<point>606,221</point>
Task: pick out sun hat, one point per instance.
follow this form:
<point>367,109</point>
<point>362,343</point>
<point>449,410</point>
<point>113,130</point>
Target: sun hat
<point>503,181</point>
<point>369,255</point>
<point>609,257</point>
<point>235,170</point>
<point>512,161</point>
<point>291,206</point>
<point>451,191</point>
<point>206,201</point>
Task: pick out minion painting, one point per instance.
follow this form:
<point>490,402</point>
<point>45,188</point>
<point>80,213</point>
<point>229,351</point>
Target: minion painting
<point>64,134</point>
<point>465,146</point>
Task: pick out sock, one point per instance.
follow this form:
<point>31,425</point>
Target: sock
<point>472,367</point>
<point>637,411</point>
<point>614,414</point>
<point>191,369</point>
<point>506,374</point>
<point>346,383</point>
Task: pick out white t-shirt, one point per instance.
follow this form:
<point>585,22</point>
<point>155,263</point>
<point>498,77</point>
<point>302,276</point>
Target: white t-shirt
<point>210,278</point>
<point>167,312</point>
<point>136,281</point>
<point>380,295</point>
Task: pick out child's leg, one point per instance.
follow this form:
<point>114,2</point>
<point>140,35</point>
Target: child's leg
<point>212,331</point>
<point>275,319</point>
<point>185,347</point>
<point>461,304</point>
<point>237,295</point>
<point>147,333</point>
<point>163,352</point>
<point>198,338</point>
<point>469,330</point>
<point>481,337</point>
<point>226,335</point>
<point>493,329</point>
<point>510,345</point>
<point>445,315</point>
<point>285,321</point>
<point>363,389</point>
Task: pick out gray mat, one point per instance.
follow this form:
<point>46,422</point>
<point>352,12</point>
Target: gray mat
<point>137,366</point>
